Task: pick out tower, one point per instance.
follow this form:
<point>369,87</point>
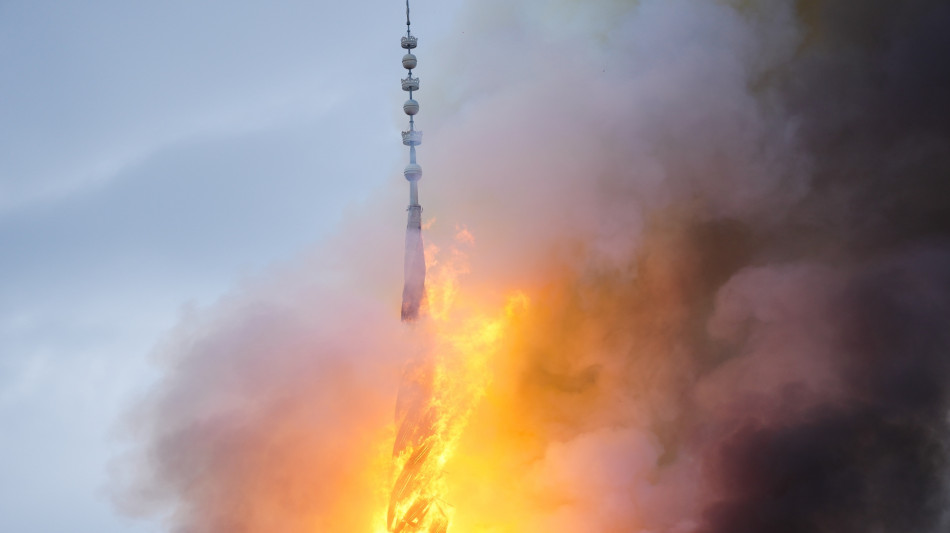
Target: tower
<point>413,292</point>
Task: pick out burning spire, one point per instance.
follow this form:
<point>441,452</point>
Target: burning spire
<point>414,503</point>
<point>413,291</point>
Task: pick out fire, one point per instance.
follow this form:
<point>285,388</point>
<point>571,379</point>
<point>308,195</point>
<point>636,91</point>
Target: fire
<point>440,390</point>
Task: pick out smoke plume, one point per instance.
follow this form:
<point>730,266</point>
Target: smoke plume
<point>731,221</point>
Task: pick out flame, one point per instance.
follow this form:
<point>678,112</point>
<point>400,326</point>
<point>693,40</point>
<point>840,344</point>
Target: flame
<point>464,337</point>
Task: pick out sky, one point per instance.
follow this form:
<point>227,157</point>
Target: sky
<point>151,156</point>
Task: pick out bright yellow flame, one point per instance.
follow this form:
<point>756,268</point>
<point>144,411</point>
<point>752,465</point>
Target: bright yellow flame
<point>463,343</point>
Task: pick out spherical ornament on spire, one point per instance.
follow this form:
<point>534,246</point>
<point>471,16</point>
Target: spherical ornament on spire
<point>411,107</point>
<point>413,172</point>
<point>409,61</point>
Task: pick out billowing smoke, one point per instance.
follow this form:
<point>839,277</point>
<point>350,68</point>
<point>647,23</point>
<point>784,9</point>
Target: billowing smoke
<point>731,220</point>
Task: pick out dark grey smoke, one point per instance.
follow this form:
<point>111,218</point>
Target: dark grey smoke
<point>871,89</point>
<point>876,461</point>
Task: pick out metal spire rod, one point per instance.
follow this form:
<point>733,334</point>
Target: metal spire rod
<point>414,290</point>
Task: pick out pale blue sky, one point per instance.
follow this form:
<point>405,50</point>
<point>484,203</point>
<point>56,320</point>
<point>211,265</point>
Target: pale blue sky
<point>151,156</point>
